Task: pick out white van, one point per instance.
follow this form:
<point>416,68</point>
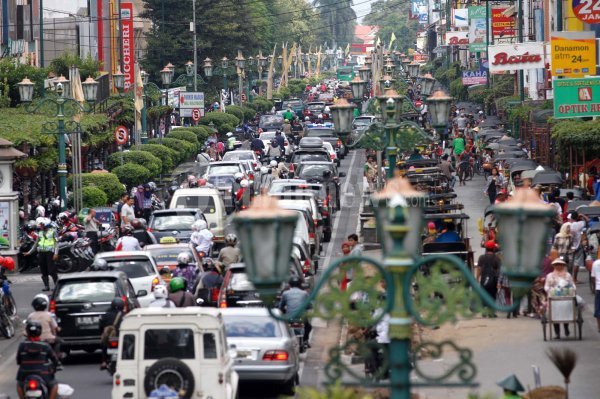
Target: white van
<point>183,348</point>
<point>209,201</point>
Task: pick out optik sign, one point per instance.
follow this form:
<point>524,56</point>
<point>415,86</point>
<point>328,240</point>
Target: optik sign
<point>128,56</point>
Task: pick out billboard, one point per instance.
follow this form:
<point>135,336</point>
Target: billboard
<point>517,56</point>
<point>477,29</point>
<point>474,77</point>
<point>503,26</point>
<point>576,98</point>
<point>418,10</point>
<point>127,45</point>
<point>573,54</point>
<point>457,38</point>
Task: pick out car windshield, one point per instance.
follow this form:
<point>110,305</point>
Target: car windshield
<point>223,169</point>
<point>319,133</point>
<point>267,135</point>
<point>168,254</point>
<point>311,156</point>
<point>86,291</point>
<point>315,107</point>
<point>172,342</point>
<point>271,120</point>
<point>221,181</point>
<point>133,268</point>
<point>251,326</point>
<point>238,156</point>
<point>312,171</point>
<point>174,221</point>
<point>206,204</point>
<point>291,104</point>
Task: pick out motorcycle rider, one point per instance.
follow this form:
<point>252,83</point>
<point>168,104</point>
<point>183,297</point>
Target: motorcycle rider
<point>50,328</point>
<point>266,178</point>
<point>36,357</point>
<point>230,141</point>
<point>46,245</point>
<point>242,196</point>
<point>113,317</point>
<point>258,145</point>
<point>185,269</point>
<point>291,301</point>
<point>230,253</point>
<point>68,228</point>
<point>27,239</point>
<point>202,238</point>
<point>128,242</point>
<point>143,236</point>
<point>179,295</point>
<point>161,298</point>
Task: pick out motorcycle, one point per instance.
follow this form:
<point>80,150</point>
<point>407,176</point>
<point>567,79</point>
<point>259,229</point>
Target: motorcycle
<point>7,327</point>
<point>112,351</point>
<point>107,239</point>
<point>74,254</point>
<point>34,386</point>
<point>298,327</point>
<point>26,263</point>
<point>8,301</point>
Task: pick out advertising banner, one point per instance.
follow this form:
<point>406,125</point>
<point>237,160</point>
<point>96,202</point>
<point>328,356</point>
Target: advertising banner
<point>587,10</point>
<point>5,225</point>
<point>477,77</point>
<point>461,17</point>
<point>457,38</point>
<point>502,26</point>
<point>127,45</point>
<point>517,56</point>
<point>573,54</point>
<point>477,29</point>
<point>576,98</point>
<point>418,10</point>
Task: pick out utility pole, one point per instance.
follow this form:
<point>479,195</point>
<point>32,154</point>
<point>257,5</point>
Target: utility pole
<point>42,43</point>
<point>521,74</point>
<point>195,50</point>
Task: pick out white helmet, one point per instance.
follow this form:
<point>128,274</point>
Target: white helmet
<point>183,258</point>
<point>201,225</point>
<point>244,183</point>
<point>238,175</point>
<point>306,118</point>
<point>160,292</point>
<point>229,134</point>
<point>264,170</point>
<point>43,296</point>
<point>273,164</point>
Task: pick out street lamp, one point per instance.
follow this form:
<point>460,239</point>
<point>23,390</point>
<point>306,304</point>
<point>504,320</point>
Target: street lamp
<point>280,60</point>
<point>405,62</point>
<point>364,72</point>
<point>427,83</point>
<point>62,125</point>
<point>342,113</point>
<point>413,69</point>
<point>240,63</point>
<point>119,79</point>
<point>386,82</point>
<point>145,77</point>
<point>358,87</point>
<point>166,76</point>
<point>208,67</point>
<point>189,68</point>
<point>439,108</point>
<point>224,62</point>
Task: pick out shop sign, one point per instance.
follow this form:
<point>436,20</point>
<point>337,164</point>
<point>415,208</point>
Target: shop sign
<point>576,98</point>
<point>127,44</point>
<point>573,54</point>
<point>502,25</point>
<point>470,78</point>
<point>457,38</point>
<point>587,11</point>
<point>516,57</point>
<point>477,29</point>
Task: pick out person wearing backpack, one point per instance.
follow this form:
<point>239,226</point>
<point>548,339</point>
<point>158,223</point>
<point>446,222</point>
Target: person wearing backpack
<point>161,298</point>
<point>109,325</point>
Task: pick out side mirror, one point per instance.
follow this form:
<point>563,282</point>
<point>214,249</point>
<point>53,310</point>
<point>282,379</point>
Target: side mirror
<point>141,293</point>
<point>342,174</point>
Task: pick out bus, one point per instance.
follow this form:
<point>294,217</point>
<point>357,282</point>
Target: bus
<point>345,73</point>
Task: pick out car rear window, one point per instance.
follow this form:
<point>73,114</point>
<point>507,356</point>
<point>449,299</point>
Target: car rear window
<point>223,170</point>
<point>319,133</point>
<point>86,291</point>
<point>169,254</point>
<point>251,326</point>
<point>238,156</point>
<point>173,222</point>
<point>311,157</point>
<point>133,268</point>
<point>174,342</point>
<point>221,181</point>
<point>240,282</point>
<point>312,171</point>
<point>205,204</point>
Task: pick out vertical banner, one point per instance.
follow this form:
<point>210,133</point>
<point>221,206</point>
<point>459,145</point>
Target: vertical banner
<point>128,55</point>
<point>418,11</point>
<point>477,29</point>
<point>460,17</point>
<point>503,26</point>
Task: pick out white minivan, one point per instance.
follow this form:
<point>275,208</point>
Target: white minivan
<point>182,348</point>
<point>209,201</point>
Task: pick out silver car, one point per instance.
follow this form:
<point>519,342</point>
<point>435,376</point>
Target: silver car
<point>267,349</point>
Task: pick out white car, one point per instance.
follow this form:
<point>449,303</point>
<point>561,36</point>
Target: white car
<point>140,268</point>
<point>183,348</point>
<point>332,154</point>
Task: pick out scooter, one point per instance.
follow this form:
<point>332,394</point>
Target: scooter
<point>34,386</point>
<point>112,351</point>
<point>298,328</point>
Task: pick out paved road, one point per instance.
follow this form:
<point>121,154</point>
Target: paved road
<point>82,369</point>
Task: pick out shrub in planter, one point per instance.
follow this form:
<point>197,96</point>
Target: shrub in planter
<point>223,121</point>
<point>143,158</point>
<point>132,175</point>
<point>185,135</point>
<point>183,149</point>
<point>93,197</point>
<point>201,132</point>
<point>167,156</point>
<point>249,113</point>
<point>261,104</point>
<point>236,111</point>
<point>107,182</point>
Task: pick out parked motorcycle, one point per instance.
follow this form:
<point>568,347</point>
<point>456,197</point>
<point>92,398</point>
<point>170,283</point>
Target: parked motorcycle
<point>7,327</point>
<point>74,254</point>
<point>6,296</point>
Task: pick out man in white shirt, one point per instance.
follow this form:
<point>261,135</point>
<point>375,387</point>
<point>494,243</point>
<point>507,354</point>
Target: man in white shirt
<point>127,213</point>
<point>578,223</point>
<point>40,211</point>
<point>128,242</point>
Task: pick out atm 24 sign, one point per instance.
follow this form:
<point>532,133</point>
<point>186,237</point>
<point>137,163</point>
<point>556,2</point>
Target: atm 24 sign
<point>587,10</point>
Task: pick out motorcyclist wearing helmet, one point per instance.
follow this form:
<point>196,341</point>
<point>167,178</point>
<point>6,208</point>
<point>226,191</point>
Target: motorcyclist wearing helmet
<point>161,298</point>
<point>36,357</point>
<point>205,239</point>
<point>230,141</point>
<point>112,318</point>
<point>179,295</point>
<point>212,277</point>
<point>185,269</point>
<point>230,253</point>
<point>28,238</point>
<point>291,302</point>
<point>242,196</point>
<point>257,145</point>
<point>143,236</point>
<point>128,242</point>
<point>41,315</point>
<point>46,245</point>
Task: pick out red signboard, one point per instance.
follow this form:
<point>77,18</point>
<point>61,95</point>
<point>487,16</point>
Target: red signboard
<point>587,10</point>
<point>128,56</point>
<point>421,57</point>
<point>502,25</point>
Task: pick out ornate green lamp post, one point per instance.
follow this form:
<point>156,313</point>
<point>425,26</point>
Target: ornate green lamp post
<point>342,113</point>
<point>358,87</point>
<point>427,83</point>
<point>413,69</point>
<point>439,108</point>
<point>63,125</point>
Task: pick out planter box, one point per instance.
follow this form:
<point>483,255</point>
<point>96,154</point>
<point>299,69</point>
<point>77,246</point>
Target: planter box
<point>369,234</point>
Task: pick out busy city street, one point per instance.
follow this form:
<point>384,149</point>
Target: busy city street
<point>374,199</point>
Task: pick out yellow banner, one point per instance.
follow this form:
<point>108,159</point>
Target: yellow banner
<point>573,54</point>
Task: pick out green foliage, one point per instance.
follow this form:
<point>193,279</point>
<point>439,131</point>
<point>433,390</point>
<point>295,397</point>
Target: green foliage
<point>27,163</point>
<point>235,111</point>
<point>202,132</point>
<point>12,73</point>
<point>577,133</point>
<point>168,157</point>
<point>183,149</point>
<point>158,111</point>
<point>87,66</point>
<point>457,90</point>
<point>107,182</point>
<point>392,16</point>
<point>184,135</point>
<point>337,20</point>
<point>223,121</point>
<point>296,87</point>
<point>249,113</point>
<point>93,197</point>
<point>283,93</point>
<point>146,159</point>
<point>132,174</point>
<point>261,104</point>
<point>124,113</point>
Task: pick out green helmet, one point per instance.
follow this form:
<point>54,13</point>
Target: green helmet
<point>177,284</point>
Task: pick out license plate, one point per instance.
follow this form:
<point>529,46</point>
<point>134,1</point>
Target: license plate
<point>246,354</point>
<point>87,320</point>
<point>111,351</point>
<point>33,394</point>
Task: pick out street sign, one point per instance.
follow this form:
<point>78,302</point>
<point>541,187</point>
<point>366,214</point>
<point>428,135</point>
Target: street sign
<point>587,10</point>
<point>187,112</point>
<point>121,135</point>
<point>576,98</point>
<point>195,114</point>
<point>191,100</point>
<point>573,54</point>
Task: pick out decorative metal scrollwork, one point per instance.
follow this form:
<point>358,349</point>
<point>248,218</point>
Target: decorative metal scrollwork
<point>368,351</point>
<point>464,370</point>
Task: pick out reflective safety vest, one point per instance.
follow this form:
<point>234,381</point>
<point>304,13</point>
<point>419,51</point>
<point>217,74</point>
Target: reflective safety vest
<point>47,241</point>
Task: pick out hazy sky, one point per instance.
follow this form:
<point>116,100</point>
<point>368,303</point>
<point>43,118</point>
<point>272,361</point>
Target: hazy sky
<point>362,7</point>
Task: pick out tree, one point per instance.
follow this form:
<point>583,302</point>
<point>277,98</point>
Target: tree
<point>87,66</point>
<point>337,20</point>
<point>392,16</point>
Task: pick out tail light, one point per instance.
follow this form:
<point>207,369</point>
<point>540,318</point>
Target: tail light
<point>311,235</point>
<point>223,305</point>
<point>332,156</point>
<point>214,294</point>
<point>275,356</point>
<point>306,266</point>
<point>125,304</point>
<point>285,143</point>
<point>117,379</point>
<point>155,282</point>
<point>52,306</point>
<point>32,385</point>
<point>113,343</point>
<point>149,230</point>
